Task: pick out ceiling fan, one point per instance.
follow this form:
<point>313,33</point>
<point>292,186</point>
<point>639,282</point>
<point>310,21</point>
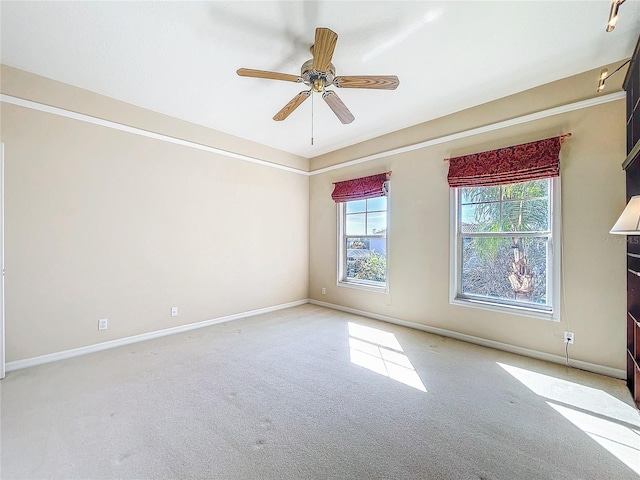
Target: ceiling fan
<point>318,74</point>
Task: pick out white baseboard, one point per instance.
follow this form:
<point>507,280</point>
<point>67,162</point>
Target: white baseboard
<point>76,352</point>
<point>591,367</point>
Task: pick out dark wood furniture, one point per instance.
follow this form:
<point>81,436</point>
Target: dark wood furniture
<point>632,167</point>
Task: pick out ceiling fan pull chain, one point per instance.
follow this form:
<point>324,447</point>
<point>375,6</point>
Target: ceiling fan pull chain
<point>311,118</point>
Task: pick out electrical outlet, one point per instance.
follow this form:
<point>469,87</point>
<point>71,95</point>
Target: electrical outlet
<point>102,324</point>
<point>174,311</point>
<point>568,337</point>
<point>324,291</point>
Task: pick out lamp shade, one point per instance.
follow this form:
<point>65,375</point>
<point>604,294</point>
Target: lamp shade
<point>629,221</point>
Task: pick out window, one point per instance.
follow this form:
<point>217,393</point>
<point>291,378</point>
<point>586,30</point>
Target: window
<point>505,256</point>
<point>363,243</point>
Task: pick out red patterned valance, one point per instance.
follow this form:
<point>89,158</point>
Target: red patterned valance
<point>519,163</point>
<point>360,188</point>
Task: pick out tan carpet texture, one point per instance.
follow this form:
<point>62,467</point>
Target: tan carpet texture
<point>312,393</point>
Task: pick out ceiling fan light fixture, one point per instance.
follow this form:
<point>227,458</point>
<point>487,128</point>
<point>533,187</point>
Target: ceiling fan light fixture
<point>318,85</point>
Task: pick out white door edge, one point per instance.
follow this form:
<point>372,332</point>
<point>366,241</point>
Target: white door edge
<point>2,344</point>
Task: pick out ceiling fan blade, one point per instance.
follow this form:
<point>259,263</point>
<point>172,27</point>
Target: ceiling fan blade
<point>248,72</point>
<point>382,82</point>
<point>339,108</point>
<point>292,105</point>
<point>323,48</point>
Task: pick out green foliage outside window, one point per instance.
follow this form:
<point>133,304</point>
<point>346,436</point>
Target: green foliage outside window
<point>497,261</point>
<point>372,267</point>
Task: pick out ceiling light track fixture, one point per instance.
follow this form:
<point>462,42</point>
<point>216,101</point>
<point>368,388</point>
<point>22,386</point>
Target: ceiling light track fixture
<point>613,14</point>
<point>319,73</point>
<point>604,75</point>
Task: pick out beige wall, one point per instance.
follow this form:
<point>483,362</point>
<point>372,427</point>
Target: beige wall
<point>108,224</point>
<point>39,89</point>
<point>102,223</point>
<point>419,236</point>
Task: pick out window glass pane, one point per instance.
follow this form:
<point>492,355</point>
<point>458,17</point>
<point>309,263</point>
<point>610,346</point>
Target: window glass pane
<point>376,223</point>
<point>480,217</point>
<point>505,268</point>
<point>366,259</point>
<point>355,224</point>
<point>377,204</point>
<point>532,189</point>
<point>356,206</point>
<point>525,216</point>
<point>364,242</point>
<point>479,194</point>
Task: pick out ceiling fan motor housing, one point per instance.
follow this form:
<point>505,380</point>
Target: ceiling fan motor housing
<point>315,79</point>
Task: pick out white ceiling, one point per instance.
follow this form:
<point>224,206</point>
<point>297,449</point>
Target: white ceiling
<point>180,58</point>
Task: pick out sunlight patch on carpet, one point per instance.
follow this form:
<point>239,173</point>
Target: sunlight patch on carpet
<point>380,352</point>
<point>610,422</point>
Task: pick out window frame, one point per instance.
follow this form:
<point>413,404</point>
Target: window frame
<point>341,279</point>
<point>552,310</point>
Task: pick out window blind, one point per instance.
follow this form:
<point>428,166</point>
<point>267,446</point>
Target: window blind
<point>517,163</point>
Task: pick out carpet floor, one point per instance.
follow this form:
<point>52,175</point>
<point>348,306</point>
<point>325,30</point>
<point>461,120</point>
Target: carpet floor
<point>313,393</point>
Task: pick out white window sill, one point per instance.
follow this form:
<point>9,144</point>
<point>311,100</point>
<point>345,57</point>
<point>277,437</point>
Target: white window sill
<point>364,286</point>
<point>509,309</point>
